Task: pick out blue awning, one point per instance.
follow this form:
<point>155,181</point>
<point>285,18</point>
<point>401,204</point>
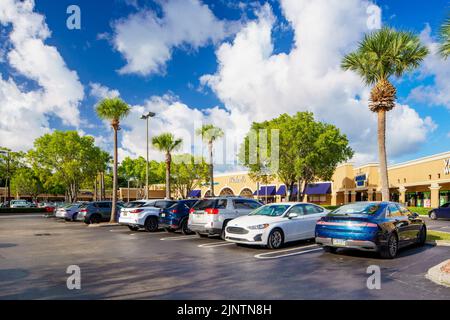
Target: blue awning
<point>281,190</point>
<point>195,194</point>
<point>269,190</point>
<point>318,188</point>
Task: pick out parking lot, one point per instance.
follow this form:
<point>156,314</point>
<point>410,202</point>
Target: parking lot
<point>117,263</point>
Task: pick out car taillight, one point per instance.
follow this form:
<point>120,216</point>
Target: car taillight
<point>212,211</point>
<point>174,210</point>
<point>136,211</point>
<point>83,210</point>
<point>191,210</point>
<point>371,225</point>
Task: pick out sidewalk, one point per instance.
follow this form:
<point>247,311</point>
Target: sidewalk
<point>104,224</point>
<point>440,274</point>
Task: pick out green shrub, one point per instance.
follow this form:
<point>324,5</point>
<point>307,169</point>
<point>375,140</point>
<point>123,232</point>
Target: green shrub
<point>331,207</point>
<point>419,210</point>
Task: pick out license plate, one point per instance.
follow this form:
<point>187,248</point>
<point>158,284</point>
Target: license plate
<point>163,215</point>
<point>339,242</point>
<point>124,214</point>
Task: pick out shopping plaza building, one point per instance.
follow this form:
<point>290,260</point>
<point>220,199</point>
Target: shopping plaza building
<point>423,182</point>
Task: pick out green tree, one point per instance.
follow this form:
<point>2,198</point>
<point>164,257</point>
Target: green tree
<point>167,143</point>
<point>64,159</point>
<point>445,36</point>
<point>188,172</point>
<point>210,133</point>
<point>113,110</point>
<point>307,150</point>
<point>25,182</point>
<point>10,161</point>
<point>381,55</point>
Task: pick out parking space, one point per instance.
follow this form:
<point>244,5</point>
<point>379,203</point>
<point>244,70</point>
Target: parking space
<point>117,263</point>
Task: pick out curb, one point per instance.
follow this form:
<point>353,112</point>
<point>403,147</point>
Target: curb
<point>439,243</point>
<point>104,225</point>
<point>437,276</point>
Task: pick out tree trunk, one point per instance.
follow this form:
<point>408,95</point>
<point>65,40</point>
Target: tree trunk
<point>168,161</point>
<point>211,167</point>
<point>299,185</point>
<point>114,188</point>
<point>382,155</point>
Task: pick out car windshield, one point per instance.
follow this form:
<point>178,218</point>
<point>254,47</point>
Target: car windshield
<point>205,204</point>
<point>357,208</point>
<point>272,210</point>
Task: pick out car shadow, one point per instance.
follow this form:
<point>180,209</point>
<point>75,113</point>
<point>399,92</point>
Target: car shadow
<point>403,252</point>
<point>7,245</point>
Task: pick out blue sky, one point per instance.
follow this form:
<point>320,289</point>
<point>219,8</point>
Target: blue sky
<point>226,62</point>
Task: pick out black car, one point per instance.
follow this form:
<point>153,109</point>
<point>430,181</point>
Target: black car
<point>441,212</point>
<point>382,227</point>
<point>176,216</point>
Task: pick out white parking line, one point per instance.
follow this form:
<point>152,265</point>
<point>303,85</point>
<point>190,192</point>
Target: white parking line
<point>215,244</point>
<point>276,255</point>
<point>179,238</point>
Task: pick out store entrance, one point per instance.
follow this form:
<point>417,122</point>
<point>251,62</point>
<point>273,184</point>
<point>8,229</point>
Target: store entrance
<point>362,196</point>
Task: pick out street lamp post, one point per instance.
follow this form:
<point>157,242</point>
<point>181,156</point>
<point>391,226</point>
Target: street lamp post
<point>146,117</point>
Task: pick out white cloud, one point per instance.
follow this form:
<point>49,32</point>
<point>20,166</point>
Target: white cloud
<point>100,92</point>
<point>24,113</point>
<point>257,84</point>
<point>437,93</point>
<point>146,40</point>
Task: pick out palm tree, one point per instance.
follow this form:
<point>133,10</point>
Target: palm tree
<point>166,142</point>
<point>381,55</point>
<point>210,133</point>
<point>113,110</point>
<point>445,35</point>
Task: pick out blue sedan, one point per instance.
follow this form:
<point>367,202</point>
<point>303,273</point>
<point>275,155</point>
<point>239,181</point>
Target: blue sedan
<point>441,212</point>
<point>382,227</point>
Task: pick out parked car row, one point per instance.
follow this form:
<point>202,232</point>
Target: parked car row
<point>382,227</point>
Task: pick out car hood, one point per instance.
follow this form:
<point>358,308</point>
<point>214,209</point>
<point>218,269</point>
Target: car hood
<point>247,221</point>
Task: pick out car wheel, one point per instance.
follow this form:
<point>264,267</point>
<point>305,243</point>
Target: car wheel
<point>202,235</point>
<point>276,239</point>
<point>222,233</point>
<point>390,251</point>
<point>151,224</point>
<point>329,249</point>
<point>133,228</point>
<point>422,236</point>
<point>94,219</point>
<point>184,228</point>
<point>433,215</point>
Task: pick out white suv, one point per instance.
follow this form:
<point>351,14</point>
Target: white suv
<point>143,214</point>
<point>210,216</point>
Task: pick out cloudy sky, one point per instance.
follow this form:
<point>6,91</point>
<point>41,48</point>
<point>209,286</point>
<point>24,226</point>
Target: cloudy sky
<point>224,62</point>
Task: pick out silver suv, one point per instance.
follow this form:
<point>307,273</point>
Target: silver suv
<point>210,216</point>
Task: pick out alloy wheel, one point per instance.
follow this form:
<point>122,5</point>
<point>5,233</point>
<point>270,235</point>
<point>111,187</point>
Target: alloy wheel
<point>276,239</point>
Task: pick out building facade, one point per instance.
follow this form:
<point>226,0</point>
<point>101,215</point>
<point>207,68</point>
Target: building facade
<point>423,182</point>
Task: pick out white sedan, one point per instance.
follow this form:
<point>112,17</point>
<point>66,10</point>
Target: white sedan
<point>275,224</point>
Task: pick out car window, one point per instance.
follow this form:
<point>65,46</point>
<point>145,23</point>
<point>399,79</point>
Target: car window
<point>164,204</point>
<point>404,211</point>
<point>274,210</point>
<point>103,205</point>
<point>298,209</point>
<point>446,205</point>
<point>221,204</point>
<point>245,204</point>
<point>205,204</point>
<point>311,209</point>
<point>362,208</point>
<point>394,211</point>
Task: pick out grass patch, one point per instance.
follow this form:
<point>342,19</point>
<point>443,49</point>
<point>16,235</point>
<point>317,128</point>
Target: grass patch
<point>421,211</point>
<point>437,235</point>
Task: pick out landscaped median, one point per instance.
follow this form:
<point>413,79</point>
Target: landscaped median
<point>438,238</point>
<point>440,274</point>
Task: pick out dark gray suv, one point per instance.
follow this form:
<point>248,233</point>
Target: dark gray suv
<point>96,211</point>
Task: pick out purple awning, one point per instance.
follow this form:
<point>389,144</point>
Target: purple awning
<point>318,188</point>
<point>195,194</point>
<point>266,190</point>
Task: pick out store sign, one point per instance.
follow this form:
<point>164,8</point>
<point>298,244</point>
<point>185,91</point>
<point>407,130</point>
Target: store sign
<point>237,179</point>
<point>447,166</point>
<point>360,180</point>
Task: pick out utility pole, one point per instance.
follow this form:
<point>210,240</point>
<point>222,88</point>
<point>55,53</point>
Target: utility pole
<point>146,117</point>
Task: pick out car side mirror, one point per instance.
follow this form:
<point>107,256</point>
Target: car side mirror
<point>415,215</point>
<point>292,215</point>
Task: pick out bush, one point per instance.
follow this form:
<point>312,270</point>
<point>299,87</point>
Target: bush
<point>21,210</point>
<point>331,208</point>
<point>421,211</point>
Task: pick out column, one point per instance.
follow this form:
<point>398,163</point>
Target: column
<point>346,193</point>
<point>434,188</point>
<point>402,198</point>
<point>378,195</point>
<point>353,200</point>
<point>369,194</point>
<point>334,199</point>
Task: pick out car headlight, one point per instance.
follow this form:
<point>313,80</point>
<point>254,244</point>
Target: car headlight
<point>259,226</point>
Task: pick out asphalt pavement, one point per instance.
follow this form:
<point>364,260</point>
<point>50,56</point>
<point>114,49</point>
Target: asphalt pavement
<point>117,263</point>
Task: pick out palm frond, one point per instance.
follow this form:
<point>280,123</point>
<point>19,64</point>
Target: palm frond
<point>166,142</point>
<point>210,132</point>
<point>444,50</point>
<point>113,109</point>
